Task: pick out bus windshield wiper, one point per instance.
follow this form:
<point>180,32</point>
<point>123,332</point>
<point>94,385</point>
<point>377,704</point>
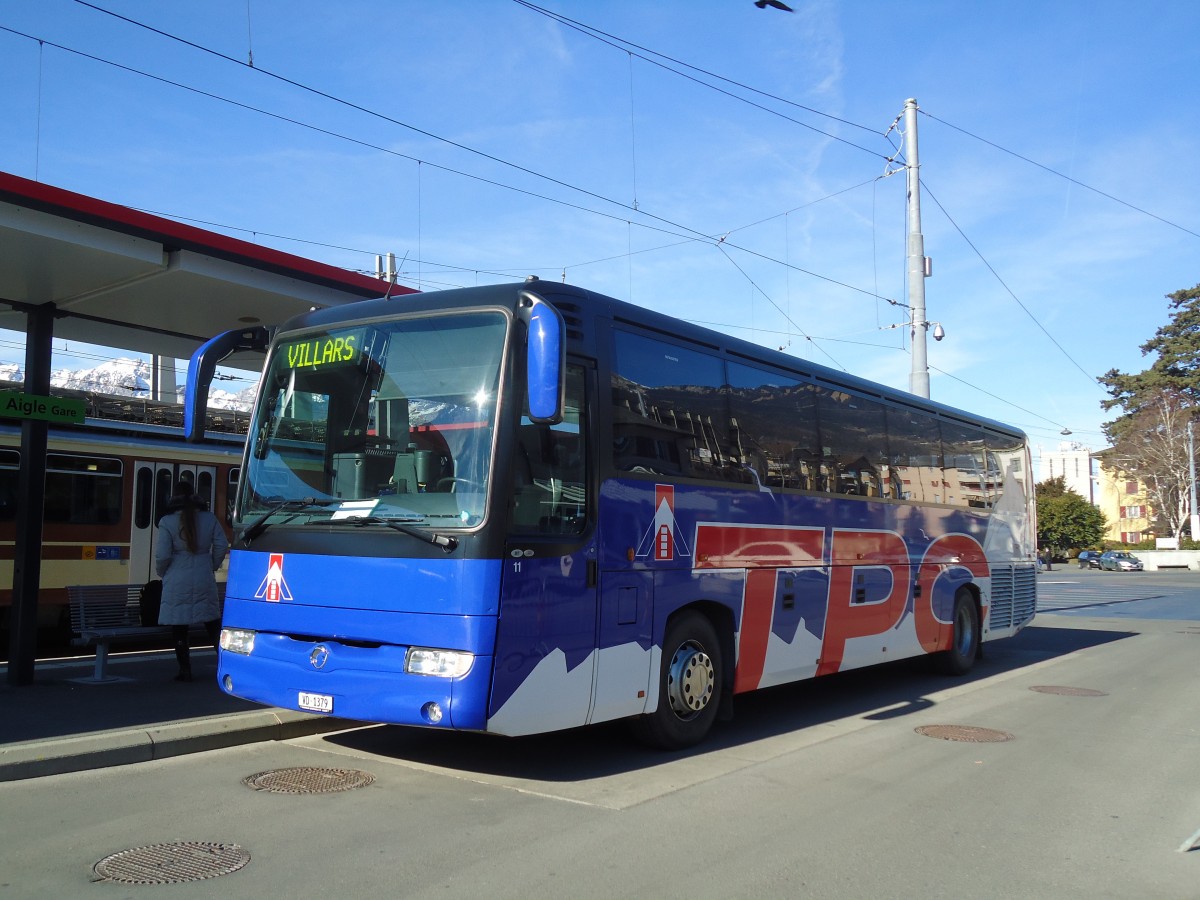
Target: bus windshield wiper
<point>446,542</point>
<point>259,525</point>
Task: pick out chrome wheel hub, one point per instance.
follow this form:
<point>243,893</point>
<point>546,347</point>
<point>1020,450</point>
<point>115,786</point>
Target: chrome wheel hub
<point>690,681</point>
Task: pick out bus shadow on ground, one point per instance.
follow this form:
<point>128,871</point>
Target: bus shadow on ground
<point>887,691</point>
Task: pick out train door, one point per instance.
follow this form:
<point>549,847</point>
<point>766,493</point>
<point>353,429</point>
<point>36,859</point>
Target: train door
<point>153,484</point>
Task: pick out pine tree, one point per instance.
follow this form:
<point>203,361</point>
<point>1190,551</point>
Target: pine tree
<point>1149,440</point>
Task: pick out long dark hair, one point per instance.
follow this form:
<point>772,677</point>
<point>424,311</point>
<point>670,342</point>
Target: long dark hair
<point>185,501</point>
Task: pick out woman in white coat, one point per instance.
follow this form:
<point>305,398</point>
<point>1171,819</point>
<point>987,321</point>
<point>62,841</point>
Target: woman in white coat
<point>191,547</point>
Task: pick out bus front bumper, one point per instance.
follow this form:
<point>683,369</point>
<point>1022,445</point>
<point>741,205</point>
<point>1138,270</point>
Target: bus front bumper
<point>369,684</point>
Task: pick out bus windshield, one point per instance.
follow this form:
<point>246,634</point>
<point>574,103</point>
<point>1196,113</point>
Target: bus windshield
<point>390,420</point>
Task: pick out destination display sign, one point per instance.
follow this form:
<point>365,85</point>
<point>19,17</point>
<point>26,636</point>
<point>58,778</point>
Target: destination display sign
<point>17,405</point>
<point>339,348</point>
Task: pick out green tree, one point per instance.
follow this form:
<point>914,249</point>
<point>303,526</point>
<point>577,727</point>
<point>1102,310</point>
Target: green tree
<point>1066,519</point>
<point>1148,441</point>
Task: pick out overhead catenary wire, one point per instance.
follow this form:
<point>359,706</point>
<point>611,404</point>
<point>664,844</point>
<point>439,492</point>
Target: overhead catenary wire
<point>631,207</point>
<point>789,319</point>
<point>720,242</point>
<point>1055,172</point>
<point>666,224</point>
<point>600,35</point>
<point>995,397</point>
<point>624,45</point>
<point>550,199</point>
<point>1091,378</point>
<point>382,116</point>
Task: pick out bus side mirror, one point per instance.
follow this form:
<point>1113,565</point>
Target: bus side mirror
<point>203,366</point>
<point>545,358</point>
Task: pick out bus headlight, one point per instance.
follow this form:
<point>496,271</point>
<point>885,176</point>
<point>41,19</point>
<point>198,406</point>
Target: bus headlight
<point>237,640</point>
<point>446,663</point>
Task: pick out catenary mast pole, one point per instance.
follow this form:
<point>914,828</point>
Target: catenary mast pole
<point>918,379</point>
<point>1194,522</point>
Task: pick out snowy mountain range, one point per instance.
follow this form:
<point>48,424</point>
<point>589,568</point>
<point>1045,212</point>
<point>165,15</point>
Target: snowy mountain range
<point>125,378</point>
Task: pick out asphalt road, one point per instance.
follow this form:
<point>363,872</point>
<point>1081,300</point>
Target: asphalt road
<point>823,789</point>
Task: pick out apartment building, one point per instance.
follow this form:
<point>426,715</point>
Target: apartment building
<point>1122,500</point>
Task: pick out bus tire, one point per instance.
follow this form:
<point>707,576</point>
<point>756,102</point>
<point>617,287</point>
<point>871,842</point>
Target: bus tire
<point>964,643</point>
<point>689,685</point>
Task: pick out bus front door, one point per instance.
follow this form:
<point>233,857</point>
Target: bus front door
<point>624,660</point>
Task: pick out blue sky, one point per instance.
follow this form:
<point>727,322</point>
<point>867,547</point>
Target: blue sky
<point>483,141</point>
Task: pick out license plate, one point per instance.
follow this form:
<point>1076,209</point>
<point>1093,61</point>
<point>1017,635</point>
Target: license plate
<point>316,702</point>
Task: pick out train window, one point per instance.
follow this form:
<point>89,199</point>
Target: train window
<point>204,488</point>
<point>143,498</point>
<point>83,490</point>
<point>231,493</point>
<point>10,474</point>
<point>163,488</point>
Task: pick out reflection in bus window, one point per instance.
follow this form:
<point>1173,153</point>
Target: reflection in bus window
<point>1005,464</point>
<point>964,468</point>
<point>670,412</point>
<point>777,425</point>
<point>915,447</point>
<point>854,442</point>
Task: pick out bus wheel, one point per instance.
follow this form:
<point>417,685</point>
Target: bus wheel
<point>689,686</point>
<point>964,646</point>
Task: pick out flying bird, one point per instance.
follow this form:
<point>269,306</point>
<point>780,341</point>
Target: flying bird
<point>763,4</point>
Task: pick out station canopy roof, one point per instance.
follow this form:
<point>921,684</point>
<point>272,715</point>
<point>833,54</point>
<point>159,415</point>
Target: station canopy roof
<point>135,281</point>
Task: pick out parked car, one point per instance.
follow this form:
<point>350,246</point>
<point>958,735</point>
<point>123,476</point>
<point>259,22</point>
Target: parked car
<point>1089,559</point>
<point>1119,561</point>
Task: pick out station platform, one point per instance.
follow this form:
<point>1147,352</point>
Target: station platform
<point>65,722</point>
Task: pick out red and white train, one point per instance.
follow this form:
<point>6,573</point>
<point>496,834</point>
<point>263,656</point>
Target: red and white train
<point>107,485</point>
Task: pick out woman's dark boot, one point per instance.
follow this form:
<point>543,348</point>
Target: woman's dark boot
<point>185,662</point>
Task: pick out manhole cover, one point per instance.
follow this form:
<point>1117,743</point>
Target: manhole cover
<point>967,733</point>
<point>1067,691</point>
<point>308,780</point>
<point>172,863</point>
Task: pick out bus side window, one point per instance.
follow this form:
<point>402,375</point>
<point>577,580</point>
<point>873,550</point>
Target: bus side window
<point>915,448</point>
<point>854,439</point>
<point>777,426</point>
<point>671,413</point>
<point>549,469</point>
<point>964,467</point>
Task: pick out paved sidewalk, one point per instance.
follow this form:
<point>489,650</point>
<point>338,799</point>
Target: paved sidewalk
<point>63,723</point>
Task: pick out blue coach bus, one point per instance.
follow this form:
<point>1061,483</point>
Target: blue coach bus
<point>529,507</point>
